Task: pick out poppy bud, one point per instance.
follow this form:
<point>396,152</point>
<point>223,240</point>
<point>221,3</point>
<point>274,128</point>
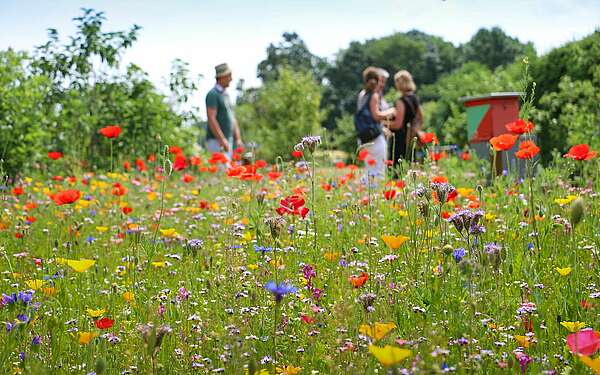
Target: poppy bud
<point>576,212</point>
<point>448,249</point>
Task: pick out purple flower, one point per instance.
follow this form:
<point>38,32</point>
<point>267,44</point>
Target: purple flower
<point>9,326</point>
<point>492,248</point>
<point>8,299</point>
<point>37,340</point>
<point>22,318</point>
<point>458,254</point>
<point>280,290</point>
<point>183,294</point>
<point>25,297</point>
<point>309,272</point>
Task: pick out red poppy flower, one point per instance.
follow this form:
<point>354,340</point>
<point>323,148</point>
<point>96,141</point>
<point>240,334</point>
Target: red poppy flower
<point>151,158</point>
<point>307,319</point>
<point>140,165</point>
<point>127,166</point>
<point>580,152</point>
<point>439,179</point>
<point>55,155</point>
<point>218,157</point>
<point>340,165</point>
<point>260,164</point>
<point>110,131</point>
<point>400,184</point>
<point>175,150</point>
<point>465,155</point>
<point>362,154</point>
<point>18,190</point>
<point>519,127</point>
<point>389,194</point>
<point>527,150</point>
<point>66,197</point>
<point>274,175</point>
<point>504,142</point>
<point>104,323</point>
<point>358,281</point>
<point>118,189</point>
<point>438,155</point>
<point>203,204</point>
<point>326,187</point>
<point>292,205</point>
<point>371,162</point>
<point>179,163</point>
<point>238,150</point>
<point>127,210</point>
<point>428,138</point>
<point>195,160</point>
<point>297,154</point>
<point>58,178</point>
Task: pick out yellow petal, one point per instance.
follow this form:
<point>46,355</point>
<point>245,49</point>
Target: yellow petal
<point>573,326</point>
<point>594,364</point>
<point>101,229</point>
<point>523,341</point>
<point>80,265</point>
<point>95,313</point>
<point>389,355</point>
<point>376,331</point>
<point>564,271</point>
<point>129,297</point>
<point>86,337</point>
<point>394,242</point>
<point>159,264</point>
<point>35,284</point>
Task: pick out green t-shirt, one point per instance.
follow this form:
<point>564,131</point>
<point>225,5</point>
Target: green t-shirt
<point>220,101</point>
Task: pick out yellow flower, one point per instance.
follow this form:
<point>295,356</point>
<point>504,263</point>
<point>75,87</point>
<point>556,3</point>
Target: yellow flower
<point>49,291</point>
<point>463,192</point>
<point>564,201</point>
<point>564,271</point>
<point>101,229</point>
<point>35,284</point>
<point>95,313</point>
<point>394,242</point>
<point>246,198</point>
<point>129,297</point>
<point>80,265</point>
<point>402,213</point>
<point>331,256</point>
<point>376,331</point>
<point>252,267</point>
<point>489,216</point>
<point>573,326</point>
<point>86,337</point>
<point>288,370</point>
<point>169,232</point>
<point>389,355</point>
<point>151,196</point>
<point>247,236</point>
<point>159,264</point>
<point>594,363</point>
<point>523,341</point>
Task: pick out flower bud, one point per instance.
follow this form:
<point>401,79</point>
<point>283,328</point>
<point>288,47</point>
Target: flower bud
<point>577,210</point>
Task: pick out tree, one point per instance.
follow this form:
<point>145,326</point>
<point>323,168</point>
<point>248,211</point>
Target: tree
<point>291,53</point>
<point>494,48</point>
<point>284,111</point>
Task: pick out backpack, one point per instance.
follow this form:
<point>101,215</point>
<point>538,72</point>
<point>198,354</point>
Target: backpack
<point>366,127</point>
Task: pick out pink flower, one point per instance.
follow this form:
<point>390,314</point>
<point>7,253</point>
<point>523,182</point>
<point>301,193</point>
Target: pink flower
<point>586,342</point>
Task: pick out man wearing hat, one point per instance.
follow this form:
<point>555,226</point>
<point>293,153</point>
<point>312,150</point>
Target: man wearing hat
<point>223,128</point>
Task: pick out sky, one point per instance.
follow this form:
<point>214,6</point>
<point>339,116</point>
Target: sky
<point>205,33</point>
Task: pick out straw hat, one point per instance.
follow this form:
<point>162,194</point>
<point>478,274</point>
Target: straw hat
<point>222,70</point>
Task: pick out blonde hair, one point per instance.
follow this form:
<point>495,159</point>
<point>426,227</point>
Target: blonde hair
<point>404,81</point>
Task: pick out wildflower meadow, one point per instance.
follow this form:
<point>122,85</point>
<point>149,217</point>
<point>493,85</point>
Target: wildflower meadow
<point>172,263</point>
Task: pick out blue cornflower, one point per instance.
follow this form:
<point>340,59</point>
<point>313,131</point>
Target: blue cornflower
<point>8,299</point>
<point>22,318</point>
<point>262,249</point>
<point>280,290</point>
<point>90,239</point>
<point>37,340</point>
<point>530,246</point>
<point>25,297</point>
<point>458,254</point>
<point>9,326</point>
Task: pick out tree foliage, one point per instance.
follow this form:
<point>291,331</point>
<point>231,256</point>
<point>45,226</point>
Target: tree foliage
<point>283,111</point>
<point>494,48</point>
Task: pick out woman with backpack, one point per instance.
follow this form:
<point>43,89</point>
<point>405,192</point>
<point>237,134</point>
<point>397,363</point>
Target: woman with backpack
<point>368,120</point>
<point>408,122</point>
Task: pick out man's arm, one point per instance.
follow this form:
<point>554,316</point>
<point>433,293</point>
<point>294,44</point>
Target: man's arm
<point>215,128</point>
